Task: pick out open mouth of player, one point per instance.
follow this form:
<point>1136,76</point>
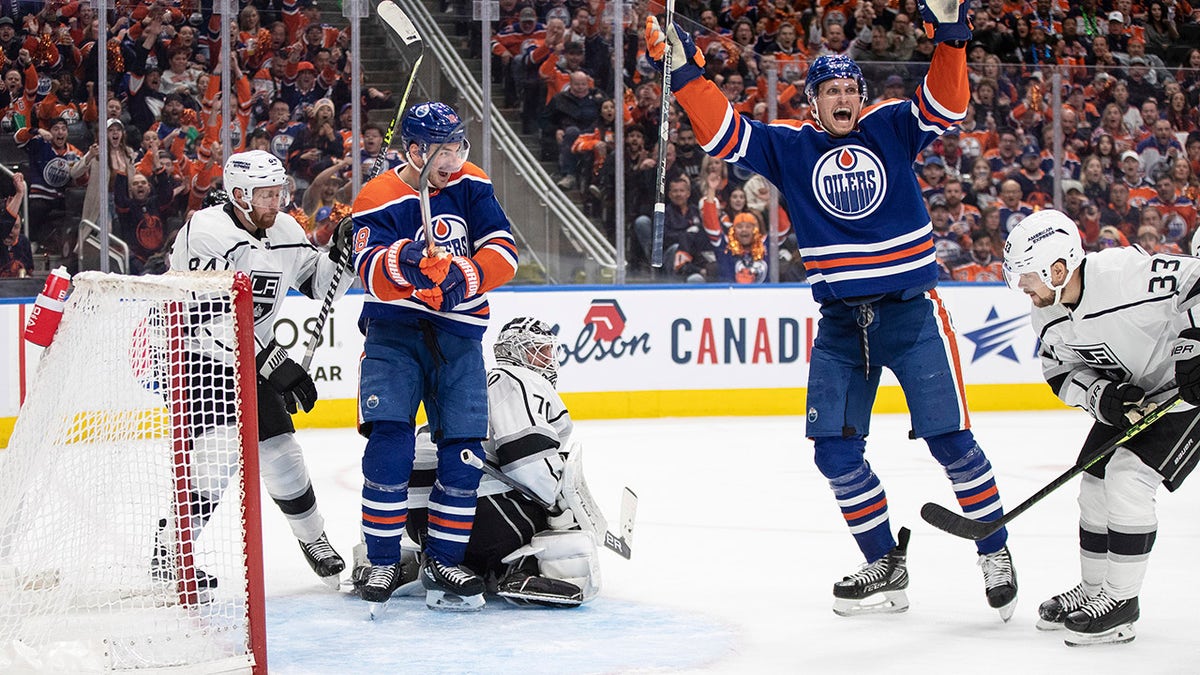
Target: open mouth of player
<point>842,114</point>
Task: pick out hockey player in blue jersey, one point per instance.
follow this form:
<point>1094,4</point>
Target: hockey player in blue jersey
<point>423,319</point>
<point>866,240</point>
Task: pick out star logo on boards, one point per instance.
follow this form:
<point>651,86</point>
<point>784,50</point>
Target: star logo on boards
<point>996,335</point>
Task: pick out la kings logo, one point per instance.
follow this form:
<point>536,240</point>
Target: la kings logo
<point>264,288</point>
<point>1100,357</point>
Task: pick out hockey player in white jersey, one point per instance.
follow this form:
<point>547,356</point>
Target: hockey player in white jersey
<point>527,554</point>
<point>1118,333</point>
<point>251,235</point>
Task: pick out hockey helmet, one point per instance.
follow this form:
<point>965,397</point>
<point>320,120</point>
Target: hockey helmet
<point>1039,241</point>
<point>832,67</point>
<point>529,343</point>
<point>433,123</point>
<point>252,170</point>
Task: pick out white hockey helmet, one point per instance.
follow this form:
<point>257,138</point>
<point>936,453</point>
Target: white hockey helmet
<point>529,343</point>
<point>1039,241</point>
<point>252,170</point>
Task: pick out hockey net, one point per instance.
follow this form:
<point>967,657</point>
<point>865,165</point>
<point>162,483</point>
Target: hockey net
<point>140,419</point>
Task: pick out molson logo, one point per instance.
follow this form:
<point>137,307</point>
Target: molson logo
<point>849,182</point>
<point>603,336</point>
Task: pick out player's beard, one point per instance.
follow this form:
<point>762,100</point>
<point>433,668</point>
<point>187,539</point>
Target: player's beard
<point>263,220</point>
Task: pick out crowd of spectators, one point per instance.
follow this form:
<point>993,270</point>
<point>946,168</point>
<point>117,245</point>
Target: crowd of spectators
<point>290,95</point>
<point>1129,77</point>
<point>1125,115</point>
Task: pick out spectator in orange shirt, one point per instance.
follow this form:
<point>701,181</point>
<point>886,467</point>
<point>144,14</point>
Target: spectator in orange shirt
<point>983,263</point>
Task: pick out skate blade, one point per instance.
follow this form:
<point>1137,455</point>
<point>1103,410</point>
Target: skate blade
<point>888,602</point>
<point>1114,636</point>
<point>448,602</point>
<point>1045,625</point>
<point>376,609</point>
<point>1006,612</point>
<point>333,581</point>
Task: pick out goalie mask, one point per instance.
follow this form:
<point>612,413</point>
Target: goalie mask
<point>529,343</point>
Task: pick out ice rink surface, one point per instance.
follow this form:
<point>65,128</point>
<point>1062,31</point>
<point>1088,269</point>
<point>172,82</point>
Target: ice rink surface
<point>737,544</point>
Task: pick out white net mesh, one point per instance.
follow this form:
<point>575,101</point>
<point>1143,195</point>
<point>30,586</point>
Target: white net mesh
<point>127,441</point>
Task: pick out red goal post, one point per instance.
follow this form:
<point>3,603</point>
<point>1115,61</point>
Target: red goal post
<point>130,529</point>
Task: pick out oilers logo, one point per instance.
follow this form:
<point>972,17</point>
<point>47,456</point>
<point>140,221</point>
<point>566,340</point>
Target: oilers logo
<point>449,232</point>
<point>849,182</point>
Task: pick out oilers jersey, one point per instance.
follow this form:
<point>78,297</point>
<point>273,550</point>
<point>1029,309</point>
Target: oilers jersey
<point>467,221</point>
<point>854,201</point>
<point>1132,307</point>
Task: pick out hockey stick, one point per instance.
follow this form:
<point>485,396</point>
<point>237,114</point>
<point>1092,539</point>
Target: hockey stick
<point>431,249</point>
<point>410,43</point>
<point>620,545</point>
<point>962,526</point>
<point>664,132</point>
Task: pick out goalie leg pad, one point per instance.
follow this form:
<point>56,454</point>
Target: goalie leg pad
<point>575,498</point>
<point>565,555</point>
<point>530,590</point>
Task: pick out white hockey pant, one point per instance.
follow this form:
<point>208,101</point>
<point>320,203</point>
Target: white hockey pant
<point>1120,508</point>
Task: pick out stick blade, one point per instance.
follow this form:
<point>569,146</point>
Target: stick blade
<point>621,545</point>
<point>399,24</point>
<point>958,525</point>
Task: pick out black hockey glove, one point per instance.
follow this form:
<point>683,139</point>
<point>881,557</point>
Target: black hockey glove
<point>1186,352</point>
<point>1111,402</point>
<point>342,243</point>
<point>286,377</point>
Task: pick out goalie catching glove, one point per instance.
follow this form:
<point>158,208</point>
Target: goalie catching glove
<point>687,63</point>
<point>286,377</point>
<point>1113,403</point>
<point>946,20</point>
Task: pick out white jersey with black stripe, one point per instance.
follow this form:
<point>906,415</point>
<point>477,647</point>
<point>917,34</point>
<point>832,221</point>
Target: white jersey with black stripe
<point>1132,306</point>
<point>276,259</point>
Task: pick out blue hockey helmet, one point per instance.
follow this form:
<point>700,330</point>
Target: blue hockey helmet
<point>432,123</point>
<point>832,67</point>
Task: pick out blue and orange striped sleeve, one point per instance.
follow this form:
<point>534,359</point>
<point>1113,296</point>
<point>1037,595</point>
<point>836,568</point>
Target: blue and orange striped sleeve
<point>374,232</point>
<point>941,99</point>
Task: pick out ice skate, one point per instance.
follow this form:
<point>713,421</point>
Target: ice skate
<point>164,570</point>
<point>451,588</point>
<point>1103,620</point>
<point>877,588</point>
<point>381,582</point>
<point>1000,581</point>
<point>1053,612</point>
<point>324,560</point>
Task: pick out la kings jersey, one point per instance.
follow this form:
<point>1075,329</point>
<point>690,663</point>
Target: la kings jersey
<point>1133,304</point>
<point>528,426</point>
<point>276,259</point>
